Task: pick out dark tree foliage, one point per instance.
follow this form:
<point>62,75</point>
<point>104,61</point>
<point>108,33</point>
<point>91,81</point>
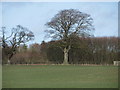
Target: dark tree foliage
<point>103,50</point>
<point>97,50</point>
<point>54,53</point>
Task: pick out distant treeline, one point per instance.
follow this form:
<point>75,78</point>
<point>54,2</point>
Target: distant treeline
<point>97,50</point>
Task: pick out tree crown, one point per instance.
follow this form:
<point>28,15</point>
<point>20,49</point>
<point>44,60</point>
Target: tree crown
<point>70,21</point>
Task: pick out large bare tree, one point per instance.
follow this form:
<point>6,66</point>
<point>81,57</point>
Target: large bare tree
<point>69,22</point>
<point>18,36</point>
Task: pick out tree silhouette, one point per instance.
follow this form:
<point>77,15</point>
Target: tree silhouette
<point>67,23</point>
<point>18,36</point>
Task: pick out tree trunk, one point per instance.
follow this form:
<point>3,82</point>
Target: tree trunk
<point>9,58</point>
<point>8,61</point>
<point>66,56</point>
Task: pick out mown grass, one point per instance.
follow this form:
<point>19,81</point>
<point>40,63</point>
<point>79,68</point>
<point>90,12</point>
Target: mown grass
<point>60,76</point>
<point>0,76</point>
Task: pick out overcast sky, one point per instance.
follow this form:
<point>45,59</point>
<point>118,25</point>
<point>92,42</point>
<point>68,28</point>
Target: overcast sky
<point>34,15</point>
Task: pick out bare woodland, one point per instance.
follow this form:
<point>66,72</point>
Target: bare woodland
<point>73,42</point>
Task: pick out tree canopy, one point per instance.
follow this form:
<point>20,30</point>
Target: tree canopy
<point>18,36</point>
<point>66,25</point>
<point>70,21</point>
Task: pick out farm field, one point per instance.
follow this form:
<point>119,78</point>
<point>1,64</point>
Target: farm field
<point>59,76</point>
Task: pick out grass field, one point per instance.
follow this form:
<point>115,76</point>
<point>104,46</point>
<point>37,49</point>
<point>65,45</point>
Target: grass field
<point>60,76</point>
<point>0,76</point>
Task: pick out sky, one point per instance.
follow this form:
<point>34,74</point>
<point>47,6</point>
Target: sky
<point>34,16</point>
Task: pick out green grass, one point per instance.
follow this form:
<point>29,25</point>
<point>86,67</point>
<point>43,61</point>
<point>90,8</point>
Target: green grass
<point>60,76</point>
<point>0,76</point>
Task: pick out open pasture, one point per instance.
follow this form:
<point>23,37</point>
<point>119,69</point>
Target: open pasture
<point>59,76</point>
